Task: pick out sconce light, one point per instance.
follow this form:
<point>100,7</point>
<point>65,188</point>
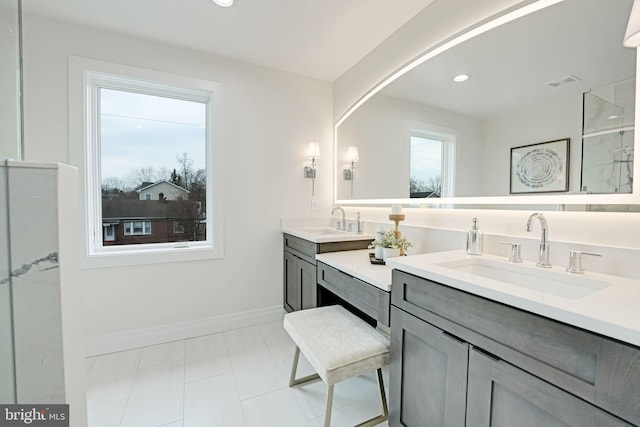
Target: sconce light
<point>352,157</point>
<point>632,36</point>
<point>313,151</point>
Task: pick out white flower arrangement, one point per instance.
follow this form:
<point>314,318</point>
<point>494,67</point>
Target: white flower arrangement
<point>387,239</point>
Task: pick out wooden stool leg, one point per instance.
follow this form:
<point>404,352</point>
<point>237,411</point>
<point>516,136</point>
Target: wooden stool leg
<point>294,369</point>
<point>327,412</point>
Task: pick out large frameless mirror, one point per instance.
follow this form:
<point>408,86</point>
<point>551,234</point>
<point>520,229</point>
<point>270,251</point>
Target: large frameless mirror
<point>559,73</point>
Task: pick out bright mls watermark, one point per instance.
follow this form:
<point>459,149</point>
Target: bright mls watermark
<point>34,415</point>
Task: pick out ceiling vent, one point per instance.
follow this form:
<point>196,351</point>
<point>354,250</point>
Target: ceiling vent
<point>563,81</point>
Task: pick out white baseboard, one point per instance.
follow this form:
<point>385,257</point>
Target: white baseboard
<point>109,343</point>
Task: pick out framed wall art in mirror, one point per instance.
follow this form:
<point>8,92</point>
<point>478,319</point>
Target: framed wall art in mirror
<point>540,168</point>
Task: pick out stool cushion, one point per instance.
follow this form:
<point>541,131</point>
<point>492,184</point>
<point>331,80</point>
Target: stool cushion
<point>337,343</point>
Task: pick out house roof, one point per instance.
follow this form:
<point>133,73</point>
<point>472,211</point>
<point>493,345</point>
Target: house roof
<point>161,182</point>
<point>114,210</point>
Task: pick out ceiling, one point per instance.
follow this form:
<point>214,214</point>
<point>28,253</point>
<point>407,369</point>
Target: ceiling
<point>315,38</point>
<point>513,65</point>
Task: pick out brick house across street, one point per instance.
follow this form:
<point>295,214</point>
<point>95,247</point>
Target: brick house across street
<point>162,213</point>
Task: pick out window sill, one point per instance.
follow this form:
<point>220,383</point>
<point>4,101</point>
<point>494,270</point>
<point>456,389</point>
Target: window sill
<point>143,256</point>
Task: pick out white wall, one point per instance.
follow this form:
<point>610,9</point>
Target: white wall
<point>558,120</point>
<point>269,117</point>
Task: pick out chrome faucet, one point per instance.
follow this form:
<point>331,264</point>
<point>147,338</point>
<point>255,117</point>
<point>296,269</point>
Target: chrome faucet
<point>341,225</point>
<point>543,254</point>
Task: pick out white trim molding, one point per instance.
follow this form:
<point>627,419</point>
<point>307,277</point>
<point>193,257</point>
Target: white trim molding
<point>137,338</point>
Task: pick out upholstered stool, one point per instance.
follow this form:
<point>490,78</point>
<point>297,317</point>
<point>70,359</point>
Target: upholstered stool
<point>339,345</point>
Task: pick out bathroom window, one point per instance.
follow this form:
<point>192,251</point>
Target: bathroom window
<point>431,164</point>
<point>151,162</point>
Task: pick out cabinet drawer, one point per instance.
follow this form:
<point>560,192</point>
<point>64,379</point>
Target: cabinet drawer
<point>308,250</point>
<point>349,245</point>
<point>371,300</point>
<point>302,248</point>
<point>600,370</point>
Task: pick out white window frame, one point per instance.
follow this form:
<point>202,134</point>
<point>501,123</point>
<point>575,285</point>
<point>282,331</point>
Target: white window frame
<point>148,196</point>
<point>85,77</point>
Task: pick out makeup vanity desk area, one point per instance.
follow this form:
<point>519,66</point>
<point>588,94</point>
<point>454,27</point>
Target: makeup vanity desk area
<point>352,277</point>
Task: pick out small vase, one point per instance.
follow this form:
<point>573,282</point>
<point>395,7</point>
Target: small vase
<point>378,252</point>
<point>390,253</point>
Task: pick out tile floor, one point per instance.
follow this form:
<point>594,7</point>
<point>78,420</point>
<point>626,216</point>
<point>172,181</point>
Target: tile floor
<point>236,378</point>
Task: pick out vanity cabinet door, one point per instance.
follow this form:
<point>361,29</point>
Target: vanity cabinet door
<point>428,376</point>
<point>308,285</point>
<point>501,395</point>
<point>300,288</point>
<point>291,284</point>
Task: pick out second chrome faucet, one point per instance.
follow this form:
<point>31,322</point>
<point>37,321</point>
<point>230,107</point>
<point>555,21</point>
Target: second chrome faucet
<point>543,254</point>
<point>341,224</point>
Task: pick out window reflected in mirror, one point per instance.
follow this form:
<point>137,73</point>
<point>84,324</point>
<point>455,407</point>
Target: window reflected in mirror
<point>431,164</point>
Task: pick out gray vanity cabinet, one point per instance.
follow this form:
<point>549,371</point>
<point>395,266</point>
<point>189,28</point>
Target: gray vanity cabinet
<point>299,283</point>
<point>428,374</point>
<point>299,269</point>
<point>522,369</point>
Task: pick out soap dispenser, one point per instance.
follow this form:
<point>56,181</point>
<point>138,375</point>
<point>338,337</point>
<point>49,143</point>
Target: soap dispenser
<point>474,239</point>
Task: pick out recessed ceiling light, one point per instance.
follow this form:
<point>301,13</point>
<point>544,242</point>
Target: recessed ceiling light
<point>223,3</point>
<point>461,78</point>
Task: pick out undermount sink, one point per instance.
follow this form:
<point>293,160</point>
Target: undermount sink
<point>548,281</point>
<point>322,230</point>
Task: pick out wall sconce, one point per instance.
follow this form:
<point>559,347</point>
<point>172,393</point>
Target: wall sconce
<point>313,151</point>
<point>352,157</point>
<point>632,35</point>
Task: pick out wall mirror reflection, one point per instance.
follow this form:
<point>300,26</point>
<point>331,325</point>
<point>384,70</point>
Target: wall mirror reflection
<point>558,73</point>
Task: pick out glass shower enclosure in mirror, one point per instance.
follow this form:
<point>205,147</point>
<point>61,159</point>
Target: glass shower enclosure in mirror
<point>525,85</point>
<point>607,139</point>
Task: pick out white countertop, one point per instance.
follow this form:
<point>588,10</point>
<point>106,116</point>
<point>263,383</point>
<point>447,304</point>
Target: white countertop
<point>325,234</point>
<point>319,230</point>
<point>357,264</point>
<point>613,311</point>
